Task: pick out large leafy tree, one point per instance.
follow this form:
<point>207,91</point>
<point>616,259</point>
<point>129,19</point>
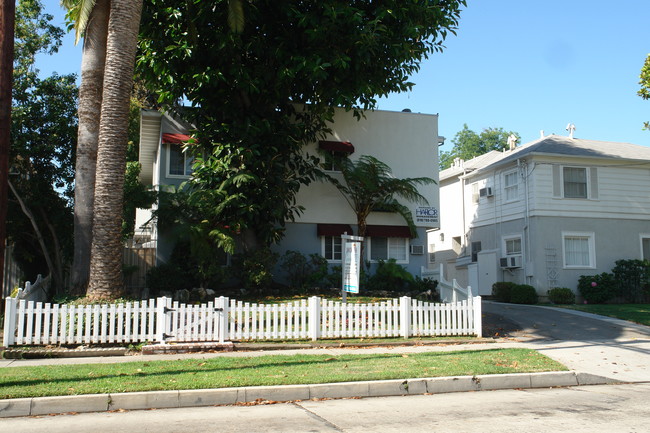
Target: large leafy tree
<point>468,144</point>
<point>368,185</point>
<point>264,90</point>
<point>43,136</point>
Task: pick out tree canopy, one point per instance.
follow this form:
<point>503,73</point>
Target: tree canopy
<point>261,92</point>
<point>644,81</point>
<point>43,138</point>
<point>468,144</point>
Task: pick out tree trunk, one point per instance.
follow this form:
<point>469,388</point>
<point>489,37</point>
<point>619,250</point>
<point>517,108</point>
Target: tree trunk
<point>106,280</point>
<point>90,101</point>
<point>7,20</point>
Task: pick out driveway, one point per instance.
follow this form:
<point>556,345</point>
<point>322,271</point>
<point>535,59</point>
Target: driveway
<point>584,342</point>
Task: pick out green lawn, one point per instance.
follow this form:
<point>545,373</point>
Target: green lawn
<point>637,313</point>
<point>224,372</point>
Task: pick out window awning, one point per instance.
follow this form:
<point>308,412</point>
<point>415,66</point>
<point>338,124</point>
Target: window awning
<point>333,229</point>
<point>336,146</point>
<point>388,231</point>
<point>168,138</point>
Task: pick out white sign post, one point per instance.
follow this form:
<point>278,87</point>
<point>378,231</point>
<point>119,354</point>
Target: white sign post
<point>351,264</point>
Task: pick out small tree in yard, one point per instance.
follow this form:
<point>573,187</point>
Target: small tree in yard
<point>370,186</point>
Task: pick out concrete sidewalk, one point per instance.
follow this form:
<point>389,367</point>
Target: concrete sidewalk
<point>590,361</point>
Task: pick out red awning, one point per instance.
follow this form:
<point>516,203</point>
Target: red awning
<point>332,229</point>
<point>336,146</point>
<point>175,138</point>
<point>388,231</point>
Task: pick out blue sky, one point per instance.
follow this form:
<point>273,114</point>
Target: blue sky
<point>522,65</point>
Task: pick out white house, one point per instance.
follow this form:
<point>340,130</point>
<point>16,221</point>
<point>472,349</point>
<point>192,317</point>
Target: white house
<point>407,142</point>
<point>543,213</point>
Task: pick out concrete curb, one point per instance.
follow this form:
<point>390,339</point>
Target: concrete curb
<point>231,396</point>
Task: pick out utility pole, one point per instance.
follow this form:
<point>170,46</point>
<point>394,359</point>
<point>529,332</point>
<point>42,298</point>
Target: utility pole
<point>7,21</point>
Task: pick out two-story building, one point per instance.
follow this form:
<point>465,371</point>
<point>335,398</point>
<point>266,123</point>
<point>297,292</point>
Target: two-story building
<point>543,213</point>
<point>405,141</point>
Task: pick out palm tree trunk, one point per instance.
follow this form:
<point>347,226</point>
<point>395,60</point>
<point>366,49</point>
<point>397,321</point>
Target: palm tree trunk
<point>90,101</point>
<point>106,280</point>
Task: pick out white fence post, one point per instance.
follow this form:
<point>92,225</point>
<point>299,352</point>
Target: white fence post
<point>405,316</point>
<point>9,337</point>
<point>478,318</point>
<point>314,317</point>
<point>223,319</point>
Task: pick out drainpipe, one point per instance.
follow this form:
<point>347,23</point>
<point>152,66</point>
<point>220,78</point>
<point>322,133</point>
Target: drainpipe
<point>522,167</point>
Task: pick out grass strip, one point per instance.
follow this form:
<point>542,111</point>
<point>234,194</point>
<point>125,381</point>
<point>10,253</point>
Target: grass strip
<point>226,372</point>
<point>637,313</point>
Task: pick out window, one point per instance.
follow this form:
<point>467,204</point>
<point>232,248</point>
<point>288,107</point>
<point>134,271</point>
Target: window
<point>432,253</point>
<point>575,182</point>
<point>179,163</point>
<point>476,248</point>
<point>389,248</point>
<point>511,186</point>
<point>512,245</point>
<point>332,248</point>
<point>579,250</point>
<point>475,195</point>
<point>645,247</point>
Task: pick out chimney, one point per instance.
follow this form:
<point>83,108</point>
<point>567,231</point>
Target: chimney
<point>512,141</point>
<point>541,134</point>
<point>571,128</point>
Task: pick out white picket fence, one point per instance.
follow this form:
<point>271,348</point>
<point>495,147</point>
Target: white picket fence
<point>163,321</point>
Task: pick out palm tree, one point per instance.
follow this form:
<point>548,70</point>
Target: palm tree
<point>90,19</point>
<point>370,186</point>
<point>106,251</point>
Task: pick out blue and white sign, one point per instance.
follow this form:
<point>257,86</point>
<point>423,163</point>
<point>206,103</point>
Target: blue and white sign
<point>351,267</point>
<point>426,214</point>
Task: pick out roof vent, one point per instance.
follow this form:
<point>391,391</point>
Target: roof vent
<point>571,128</point>
<point>541,134</point>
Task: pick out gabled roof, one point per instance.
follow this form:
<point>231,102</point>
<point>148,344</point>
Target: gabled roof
<point>553,145</point>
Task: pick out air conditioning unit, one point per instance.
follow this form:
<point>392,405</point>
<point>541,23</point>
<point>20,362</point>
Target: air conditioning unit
<point>417,249</point>
<point>486,192</point>
<point>510,262</point>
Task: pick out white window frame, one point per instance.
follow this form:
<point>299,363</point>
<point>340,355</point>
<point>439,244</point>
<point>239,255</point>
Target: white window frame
<point>512,189</point>
<point>504,245</point>
<point>591,239</point>
<point>642,237</point>
<point>334,239</point>
<point>587,182</point>
<point>388,240</point>
<point>186,157</point>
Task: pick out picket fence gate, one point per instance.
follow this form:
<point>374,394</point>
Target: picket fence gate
<point>163,321</point>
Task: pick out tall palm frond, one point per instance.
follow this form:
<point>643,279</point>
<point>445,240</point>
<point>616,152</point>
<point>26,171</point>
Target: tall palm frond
<point>79,13</point>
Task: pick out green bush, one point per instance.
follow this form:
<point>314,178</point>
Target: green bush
<point>597,289</point>
<point>390,276</point>
<point>501,290</point>
<point>167,277</point>
<point>561,295</point>
<point>302,271</point>
<point>256,269</point>
<point>427,287</point>
<point>523,294</point>
<point>633,279</point>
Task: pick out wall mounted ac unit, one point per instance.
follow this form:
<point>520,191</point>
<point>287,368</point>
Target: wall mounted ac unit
<point>417,249</point>
<point>486,192</point>
<point>510,262</point>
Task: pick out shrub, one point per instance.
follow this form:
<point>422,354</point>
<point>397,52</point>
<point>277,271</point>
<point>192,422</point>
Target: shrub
<point>523,294</point>
<point>302,271</point>
<point>561,295</point>
<point>255,268</point>
<point>597,289</point>
<point>632,278</point>
<point>167,277</point>
<point>390,276</point>
<point>501,290</point>
<point>427,287</point>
